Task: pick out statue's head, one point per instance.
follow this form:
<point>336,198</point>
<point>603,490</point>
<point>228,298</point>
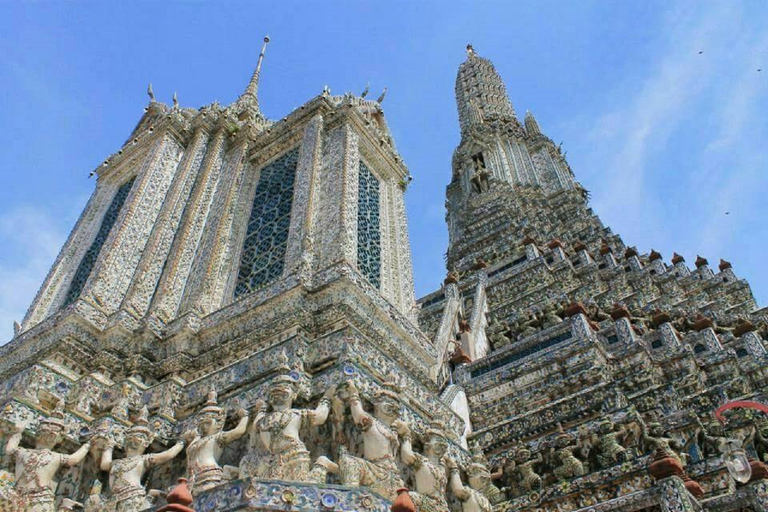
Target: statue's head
<point>211,417</point>
<point>562,440</point>
<point>605,427</point>
<point>477,471</point>
<point>522,455</point>
<point>48,434</point>
<point>436,441</point>
<point>51,429</point>
<point>139,436</point>
<point>655,429</point>
<point>282,391</point>
<point>386,402</point>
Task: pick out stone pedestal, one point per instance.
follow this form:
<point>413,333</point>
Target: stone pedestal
<point>254,495</point>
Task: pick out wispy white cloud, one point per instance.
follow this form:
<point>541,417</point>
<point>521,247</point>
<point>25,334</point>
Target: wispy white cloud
<point>654,106</point>
<point>732,165</point>
<point>32,237</point>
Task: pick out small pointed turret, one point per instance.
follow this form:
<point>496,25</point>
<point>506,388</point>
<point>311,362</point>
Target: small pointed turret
<point>248,102</point>
<point>531,125</point>
<point>382,96</point>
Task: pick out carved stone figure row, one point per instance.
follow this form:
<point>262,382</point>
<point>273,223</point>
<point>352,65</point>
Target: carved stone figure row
<point>276,426</point>
<point>570,456</point>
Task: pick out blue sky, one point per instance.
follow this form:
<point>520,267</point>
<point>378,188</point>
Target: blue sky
<point>667,139</point>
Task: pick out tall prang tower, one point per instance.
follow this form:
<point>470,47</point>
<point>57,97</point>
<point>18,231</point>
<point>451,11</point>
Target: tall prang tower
<point>574,352</point>
<point>240,289</point>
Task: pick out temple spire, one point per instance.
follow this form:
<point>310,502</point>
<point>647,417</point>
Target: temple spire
<point>481,96</point>
<point>531,125</point>
<point>249,100</point>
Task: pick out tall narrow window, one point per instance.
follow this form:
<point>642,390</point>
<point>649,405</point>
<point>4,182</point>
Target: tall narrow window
<point>91,255</point>
<point>368,232</point>
<point>266,237</point>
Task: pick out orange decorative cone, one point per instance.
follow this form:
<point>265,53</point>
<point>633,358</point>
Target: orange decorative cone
<point>403,502</point>
<point>178,499</point>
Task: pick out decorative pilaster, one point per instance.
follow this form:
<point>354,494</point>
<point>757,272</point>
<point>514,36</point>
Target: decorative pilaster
<point>336,219</point>
<point>350,194</point>
<point>216,261</point>
<point>388,253</point>
<point>403,247</point>
<point>299,253</point>
<point>156,253</point>
<point>188,238</point>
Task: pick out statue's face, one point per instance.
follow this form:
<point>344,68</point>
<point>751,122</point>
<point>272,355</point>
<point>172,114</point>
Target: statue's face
<point>388,407</point>
<point>605,428</point>
<point>209,424</point>
<point>522,455</point>
<point>479,479</point>
<point>655,429</point>
<point>47,437</point>
<point>135,443</point>
<point>281,395</point>
<point>437,445</point>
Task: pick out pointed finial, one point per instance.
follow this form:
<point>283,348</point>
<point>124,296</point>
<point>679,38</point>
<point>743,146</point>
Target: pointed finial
<point>251,92</point>
<point>150,92</point>
<point>470,49</point>
<point>326,90</point>
<point>175,99</point>
<point>383,95</point>
<point>365,92</point>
